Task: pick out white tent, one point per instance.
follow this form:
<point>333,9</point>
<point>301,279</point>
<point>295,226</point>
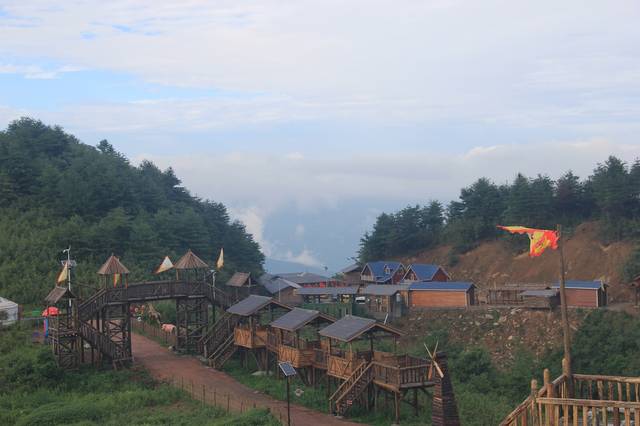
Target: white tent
<point>8,311</point>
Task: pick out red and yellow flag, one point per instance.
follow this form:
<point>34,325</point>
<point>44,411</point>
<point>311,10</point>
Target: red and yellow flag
<point>540,239</point>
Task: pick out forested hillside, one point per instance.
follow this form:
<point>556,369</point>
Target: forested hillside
<point>56,191</point>
<point>610,196</point>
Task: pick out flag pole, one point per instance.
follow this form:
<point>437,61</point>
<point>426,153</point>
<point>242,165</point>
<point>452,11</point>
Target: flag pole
<point>566,365</point>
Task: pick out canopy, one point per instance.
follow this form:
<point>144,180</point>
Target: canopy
<point>50,311</point>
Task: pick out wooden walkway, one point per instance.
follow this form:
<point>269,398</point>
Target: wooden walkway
<point>187,371</point>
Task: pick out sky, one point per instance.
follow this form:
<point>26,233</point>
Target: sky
<point>310,118</point>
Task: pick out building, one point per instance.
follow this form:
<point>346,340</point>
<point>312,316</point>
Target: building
<point>585,294</point>
<point>425,272</point>
<point>384,301</point>
<point>351,274</point>
<point>9,311</point>
<point>383,272</point>
<point>441,294</point>
<point>328,294</point>
<point>309,279</point>
<point>240,285</point>
<point>279,288</point>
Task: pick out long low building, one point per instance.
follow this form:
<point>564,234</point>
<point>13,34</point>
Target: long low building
<point>585,294</point>
<point>450,294</point>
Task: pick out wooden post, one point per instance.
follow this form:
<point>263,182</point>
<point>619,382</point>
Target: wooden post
<point>566,369</point>
<point>534,408</point>
<point>396,397</point>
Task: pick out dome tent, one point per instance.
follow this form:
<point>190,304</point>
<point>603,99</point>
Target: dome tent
<point>8,311</point>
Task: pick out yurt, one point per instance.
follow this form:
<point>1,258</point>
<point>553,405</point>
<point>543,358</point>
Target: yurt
<point>8,311</point>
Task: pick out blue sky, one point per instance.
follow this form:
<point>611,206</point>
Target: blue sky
<point>309,118</point>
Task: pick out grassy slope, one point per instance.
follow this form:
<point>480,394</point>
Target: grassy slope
<point>33,391</point>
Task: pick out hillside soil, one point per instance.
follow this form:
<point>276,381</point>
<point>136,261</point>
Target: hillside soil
<point>494,263</point>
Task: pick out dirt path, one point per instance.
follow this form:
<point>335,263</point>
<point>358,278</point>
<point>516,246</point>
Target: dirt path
<point>165,365</point>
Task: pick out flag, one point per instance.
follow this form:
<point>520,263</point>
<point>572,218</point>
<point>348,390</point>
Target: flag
<point>540,239</point>
<point>164,266</point>
<point>116,278</point>
<point>220,262</point>
<point>63,276</point>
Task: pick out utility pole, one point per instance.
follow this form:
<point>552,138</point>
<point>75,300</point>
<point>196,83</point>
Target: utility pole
<point>566,330</point>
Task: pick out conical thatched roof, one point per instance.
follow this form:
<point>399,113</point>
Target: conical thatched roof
<point>112,266</point>
<point>190,261</point>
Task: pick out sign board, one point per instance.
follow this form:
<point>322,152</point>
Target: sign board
<point>287,369</point>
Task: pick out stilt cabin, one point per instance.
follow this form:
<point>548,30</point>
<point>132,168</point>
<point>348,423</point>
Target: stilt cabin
<point>351,274</point>
<point>441,295</point>
<point>363,373</point>
<point>384,301</point>
<point>585,294</point>
<point>62,327</point>
<point>294,338</point>
<point>425,272</point>
<point>383,272</point>
<point>255,313</point>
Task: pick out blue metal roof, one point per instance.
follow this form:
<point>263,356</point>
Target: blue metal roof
<point>378,268</point>
<point>441,286</point>
<point>588,285</point>
<point>424,271</point>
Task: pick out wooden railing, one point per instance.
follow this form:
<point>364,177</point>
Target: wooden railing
<point>218,334</point>
<point>597,400</point>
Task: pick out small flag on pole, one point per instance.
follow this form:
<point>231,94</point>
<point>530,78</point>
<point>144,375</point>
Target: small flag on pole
<point>540,239</point>
<point>164,266</point>
<point>220,262</point>
<point>63,276</point>
<point>116,278</point>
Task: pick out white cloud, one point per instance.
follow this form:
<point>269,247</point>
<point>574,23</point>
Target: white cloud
<point>299,230</point>
<point>305,257</point>
<point>35,72</point>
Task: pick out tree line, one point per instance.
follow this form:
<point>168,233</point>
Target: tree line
<point>611,195</point>
<point>57,192</point>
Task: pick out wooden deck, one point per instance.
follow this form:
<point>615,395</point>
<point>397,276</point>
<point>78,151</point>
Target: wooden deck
<point>603,400</point>
<point>250,338</point>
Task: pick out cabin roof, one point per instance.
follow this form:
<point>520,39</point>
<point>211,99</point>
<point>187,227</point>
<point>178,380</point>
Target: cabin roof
<point>301,278</point>
<point>239,279</point>
<point>327,291</point>
<point>377,269</point>
<point>383,289</point>
<point>352,268</point>
<point>298,318</point>
<point>425,271</point>
<point>253,304</point>
<point>112,266</point>
<point>350,327</point>
<point>58,293</point>
<point>190,261</point>
<point>539,293</point>
<point>585,285</point>
<point>440,286</point>
<point>273,283</point>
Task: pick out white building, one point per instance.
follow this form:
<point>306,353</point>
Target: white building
<point>8,311</point>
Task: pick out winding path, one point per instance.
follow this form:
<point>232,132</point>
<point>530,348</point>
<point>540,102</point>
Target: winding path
<point>188,371</point>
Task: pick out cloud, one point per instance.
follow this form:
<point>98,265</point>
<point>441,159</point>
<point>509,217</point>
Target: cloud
<point>35,72</point>
<point>299,231</point>
<point>305,257</point>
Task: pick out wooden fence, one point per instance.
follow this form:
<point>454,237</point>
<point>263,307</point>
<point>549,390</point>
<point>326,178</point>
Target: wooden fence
<point>597,400</point>
<point>222,399</point>
<point>154,331</point>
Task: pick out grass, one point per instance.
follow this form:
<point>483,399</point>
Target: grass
<point>34,391</point>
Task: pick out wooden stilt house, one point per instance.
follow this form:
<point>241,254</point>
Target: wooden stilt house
<point>63,326</point>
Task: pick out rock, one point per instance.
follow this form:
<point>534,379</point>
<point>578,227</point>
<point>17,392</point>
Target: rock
<point>259,373</point>
<point>477,323</point>
<point>510,338</point>
<point>502,319</point>
<point>488,316</point>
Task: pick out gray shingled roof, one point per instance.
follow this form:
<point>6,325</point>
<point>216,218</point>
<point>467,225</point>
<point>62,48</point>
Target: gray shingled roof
<point>273,283</point>
<point>383,290</point>
<point>301,278</point>
<point>327,291</point>
<point>58,293</point>
<point>239,279</point>
<point>250,305</point>
<point>295,319</point>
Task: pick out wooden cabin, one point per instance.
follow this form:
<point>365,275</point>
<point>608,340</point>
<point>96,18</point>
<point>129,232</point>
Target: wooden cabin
<point>351,274</point>
<point>383,272</point>
<point>441,295</point>
<point>255,312</point>
<point>63,326</point>
<point>384,301</point>
<point>280,289</point>
<point>425,272</point>
<point>354,362</point>
<point>240,285</point>
<point>287,336</point>
<point>540,299</point>
<point>585,294</point>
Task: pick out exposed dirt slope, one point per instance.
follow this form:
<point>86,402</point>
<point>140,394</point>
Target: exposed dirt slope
<point>493,263</point>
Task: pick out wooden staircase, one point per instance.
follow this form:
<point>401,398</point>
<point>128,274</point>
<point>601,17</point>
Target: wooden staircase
<point>217,335</point>
<point>116,353</point>
<point>351,389</point>
<point>223,353</point>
